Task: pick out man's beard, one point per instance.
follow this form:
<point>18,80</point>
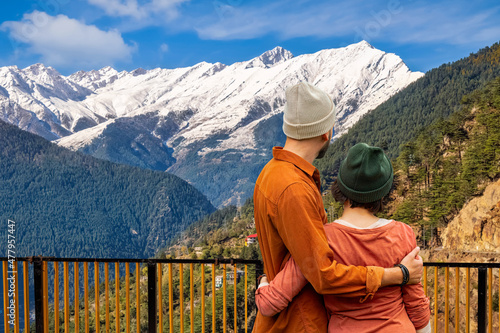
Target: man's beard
<point>323,149</point>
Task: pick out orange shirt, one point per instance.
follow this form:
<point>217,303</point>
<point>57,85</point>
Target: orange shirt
<point>289,217</point>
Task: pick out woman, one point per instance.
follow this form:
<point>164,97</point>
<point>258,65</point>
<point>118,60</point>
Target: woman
<point>360,238</point>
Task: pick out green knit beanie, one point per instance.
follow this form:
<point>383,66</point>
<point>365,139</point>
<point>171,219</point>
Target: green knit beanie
<point>366,174</point>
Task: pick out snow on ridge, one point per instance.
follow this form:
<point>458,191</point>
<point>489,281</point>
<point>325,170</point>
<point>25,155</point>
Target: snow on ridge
<point>359,77</point>
<point>83,138</point>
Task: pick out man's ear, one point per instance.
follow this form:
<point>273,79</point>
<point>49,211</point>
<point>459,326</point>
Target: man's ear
<point>324,137</point>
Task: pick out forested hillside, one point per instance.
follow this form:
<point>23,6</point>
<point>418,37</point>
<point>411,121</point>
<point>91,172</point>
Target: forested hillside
<point>450,162</point>
<point>221,234</point>
<point>67,204</point>
<point>432,97</point>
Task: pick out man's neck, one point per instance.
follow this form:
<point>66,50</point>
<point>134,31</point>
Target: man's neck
<point>305,149</point>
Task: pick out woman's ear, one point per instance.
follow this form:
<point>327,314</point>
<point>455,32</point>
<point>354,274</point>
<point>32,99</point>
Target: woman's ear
<point>347,203</point>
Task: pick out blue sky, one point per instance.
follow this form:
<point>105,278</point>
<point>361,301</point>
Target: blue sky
<point>72,35</point>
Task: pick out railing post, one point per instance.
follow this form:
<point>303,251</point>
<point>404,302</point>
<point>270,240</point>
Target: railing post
<point>151,297</point>
<point>259,270</point>
<point>38,274</point>
<point>481,295</point>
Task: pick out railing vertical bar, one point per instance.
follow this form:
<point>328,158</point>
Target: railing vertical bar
<point>425,281</point>
<point>106,293</point>
<point>435,299</point>
<point>224,298</point>
<point>481,295</point>
<point>160,298</point>
<point>181,296</point>
<point>26,289</point>
<point>202,266</point>
<point>16,295</point>
<point>246,298</point>
<point>15,274</point>
<point>5,295</point>
<point>191,296</point>
<point>457,299</point>
<point>86,294</point>
<point>66,296</point>
<point>38,276</point>
<point>490,301</point>
<point>56,296</point>
<point>259,270</point>
<point>446,299</point>
<point>235,279</point>
<point>96,286</point>
<point>77,296</point>
<point>137,296</point>
<point>170,297</point>
<point>127,297</point>
<point>213,299</point>
<point>151,297</point>
<point>117,296</point>
<point>467,303</point>
<point>46,296</point>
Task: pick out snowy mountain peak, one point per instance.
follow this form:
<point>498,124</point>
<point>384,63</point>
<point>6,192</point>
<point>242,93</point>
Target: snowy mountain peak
<point>107,69</point>
<point>275,56</point>
<point>95,79</point>
<point>271,58</point>
<point>41,71</point>
<point>43,83</point>
<point>138,71</point>
<point>364,44</point>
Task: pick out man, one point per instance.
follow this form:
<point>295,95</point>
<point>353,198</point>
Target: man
<point>289,217</point>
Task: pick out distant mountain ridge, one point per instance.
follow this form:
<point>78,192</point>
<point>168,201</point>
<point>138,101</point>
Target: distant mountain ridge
<point>197,121</point>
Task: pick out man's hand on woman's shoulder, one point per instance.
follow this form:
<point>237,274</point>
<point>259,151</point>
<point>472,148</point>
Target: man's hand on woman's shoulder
<point>415,265</point>
<point>413,262</point>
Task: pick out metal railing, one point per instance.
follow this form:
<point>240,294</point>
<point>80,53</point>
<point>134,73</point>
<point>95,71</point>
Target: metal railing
<point>185,291</point>
<point>153,286</point>
<point>473,280</point>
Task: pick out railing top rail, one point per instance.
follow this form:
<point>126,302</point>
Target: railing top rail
<point>130,260</point>
<point>223,261</point>
<point>463,264</point>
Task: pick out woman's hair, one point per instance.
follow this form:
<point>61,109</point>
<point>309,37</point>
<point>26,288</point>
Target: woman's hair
<point>374,207</point>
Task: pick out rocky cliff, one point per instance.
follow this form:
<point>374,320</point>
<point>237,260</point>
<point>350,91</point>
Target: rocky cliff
<point>477,226</point>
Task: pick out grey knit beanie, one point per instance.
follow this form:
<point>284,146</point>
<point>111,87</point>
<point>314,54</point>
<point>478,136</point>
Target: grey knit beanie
<point>309,112</point>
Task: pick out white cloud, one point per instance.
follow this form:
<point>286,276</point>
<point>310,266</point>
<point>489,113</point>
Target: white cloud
<point>405,22</point>
<point>164,48</point>
<point>120,8</point>
<point>166,9</point>
<point>67,43</point>
<point>447,22</point>
<point>284,18</point>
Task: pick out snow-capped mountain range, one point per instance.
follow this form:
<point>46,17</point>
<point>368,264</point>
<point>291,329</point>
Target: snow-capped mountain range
<point>211,124</point>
